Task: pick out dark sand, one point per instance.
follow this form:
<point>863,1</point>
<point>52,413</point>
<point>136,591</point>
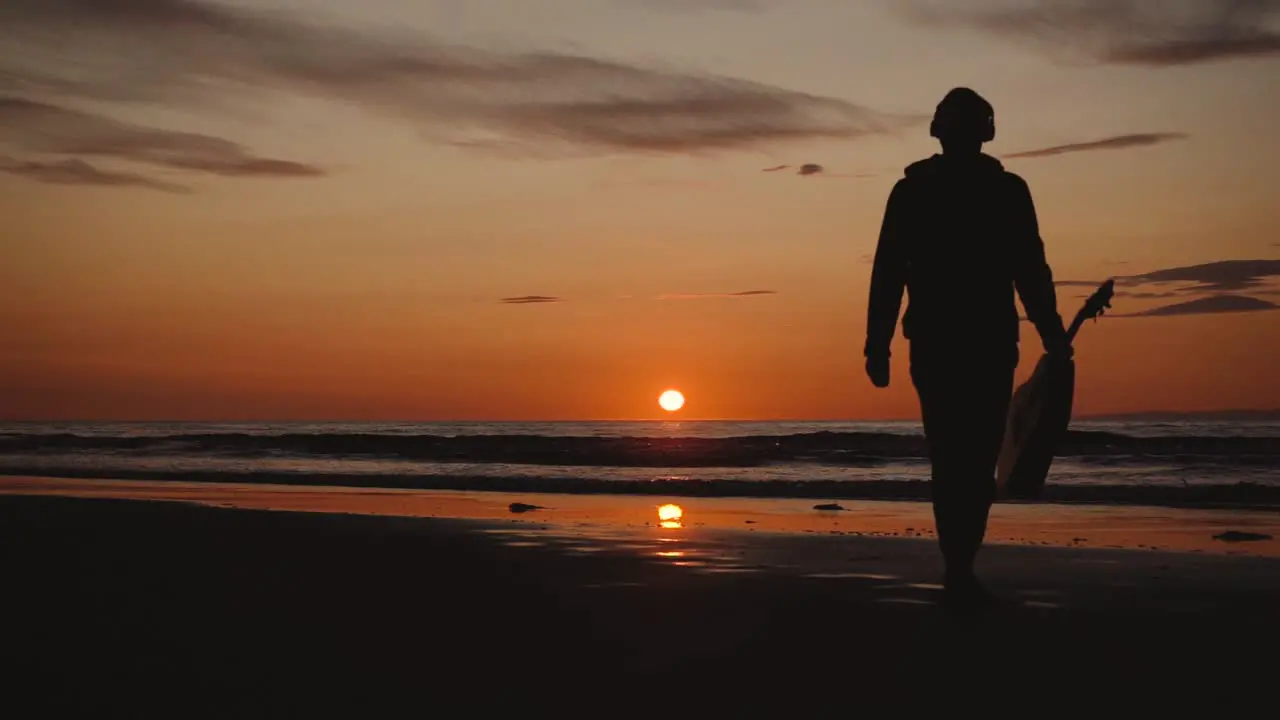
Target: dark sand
<point>117,607</point>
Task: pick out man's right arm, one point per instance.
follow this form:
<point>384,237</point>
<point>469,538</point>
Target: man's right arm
<point>888,278</point>
<point>1031,274</point>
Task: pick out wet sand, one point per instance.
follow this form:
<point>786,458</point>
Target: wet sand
<point>612,516</point>
<point>165,609</point>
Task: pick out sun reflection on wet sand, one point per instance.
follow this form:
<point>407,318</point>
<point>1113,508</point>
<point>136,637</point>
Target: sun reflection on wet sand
<point>624,517</point>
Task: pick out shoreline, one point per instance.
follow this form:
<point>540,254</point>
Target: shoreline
<point>606,516</point>
<point>1238,496</point>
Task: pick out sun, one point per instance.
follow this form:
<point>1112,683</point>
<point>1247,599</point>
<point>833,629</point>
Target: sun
<point>671,400</point>
<point>670,512</point>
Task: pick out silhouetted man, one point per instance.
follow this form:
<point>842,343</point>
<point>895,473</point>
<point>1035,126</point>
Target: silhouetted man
<point>960,235</point>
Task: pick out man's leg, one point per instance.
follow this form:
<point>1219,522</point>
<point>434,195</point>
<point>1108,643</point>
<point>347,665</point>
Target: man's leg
<point>941,416</point>
<point>964,403</point>
<point>991,388</point>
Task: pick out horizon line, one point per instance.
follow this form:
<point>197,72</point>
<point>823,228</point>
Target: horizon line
<point>245,421</point>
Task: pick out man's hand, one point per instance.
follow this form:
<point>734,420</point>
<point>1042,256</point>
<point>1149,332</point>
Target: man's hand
<point>1057,346</point>
<point>1060,351</point>
<point>878,370</point>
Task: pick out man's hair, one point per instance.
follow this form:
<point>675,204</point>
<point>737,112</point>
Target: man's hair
<point>964,114</point>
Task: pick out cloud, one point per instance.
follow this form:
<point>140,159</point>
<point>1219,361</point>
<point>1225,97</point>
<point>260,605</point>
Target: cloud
<point>1135,32</point>
<point>1212,305</point>
<point>1225,275</point>
<point>704,296</point>
<point>700,5</point>
<point>74,171</point>
<point>530,300</point>
<point>810,169</point>
<point>1115,142</point>
<point>1149,295</point>
<point>193,50</point>
<point>1221,276</point>
<point>805,169</point>
<point>50,129</point>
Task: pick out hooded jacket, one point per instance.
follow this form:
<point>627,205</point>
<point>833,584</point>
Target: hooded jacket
<point>960,235</point>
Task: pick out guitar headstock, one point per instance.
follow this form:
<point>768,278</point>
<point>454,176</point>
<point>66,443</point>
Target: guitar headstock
<point>1099,301</point>
<point>1094,307</point>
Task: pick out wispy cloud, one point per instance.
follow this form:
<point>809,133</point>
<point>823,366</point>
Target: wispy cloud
<point>1225,275</point>
<point>74,171</point>
<point>705,296</point>
<point>812,169</point>
<point>1116,142</point>
<point>805,169</point>
<point>1212,305</point>
<point>1149,295</point>
<point>529,299</point>
<point>1226,286</point>
<point>700,5</point>
<point>44,128</point>
<point>1216,277</point>
<point>1137,32</point>
<point>191,50</point>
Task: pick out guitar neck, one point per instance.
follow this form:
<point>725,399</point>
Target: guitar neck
<point>1077,323</point>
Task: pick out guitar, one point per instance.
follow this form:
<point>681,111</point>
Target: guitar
<point>1041,411</point>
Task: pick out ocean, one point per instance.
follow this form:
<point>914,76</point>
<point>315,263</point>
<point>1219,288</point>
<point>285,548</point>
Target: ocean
<point>1194,462</point>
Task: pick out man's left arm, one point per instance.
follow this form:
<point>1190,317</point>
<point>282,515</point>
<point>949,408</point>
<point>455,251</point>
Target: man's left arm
<point>1032,277</point>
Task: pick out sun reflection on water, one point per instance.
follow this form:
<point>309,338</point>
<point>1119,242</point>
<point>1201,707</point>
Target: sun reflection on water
<point>670,515</point>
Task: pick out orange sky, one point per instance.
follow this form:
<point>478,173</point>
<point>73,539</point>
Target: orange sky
<point>276,222</point>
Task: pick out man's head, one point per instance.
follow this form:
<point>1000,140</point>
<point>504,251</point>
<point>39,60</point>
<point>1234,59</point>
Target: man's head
<point>963,120</point>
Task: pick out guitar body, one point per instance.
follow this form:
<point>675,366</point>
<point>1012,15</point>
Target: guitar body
<point>1040,412</point>
<point>1038,418</point>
